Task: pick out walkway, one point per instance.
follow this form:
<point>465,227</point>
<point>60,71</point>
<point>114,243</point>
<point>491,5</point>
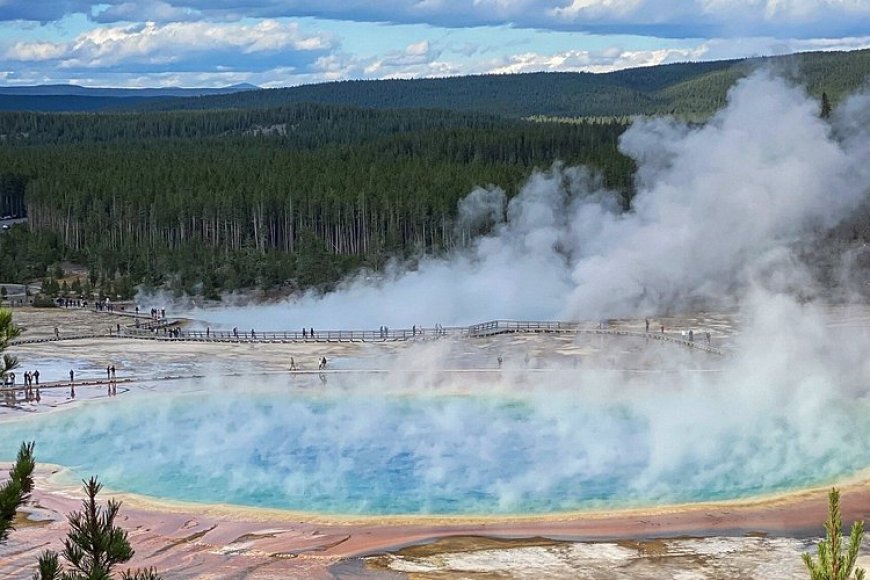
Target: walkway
<point>162,331</point>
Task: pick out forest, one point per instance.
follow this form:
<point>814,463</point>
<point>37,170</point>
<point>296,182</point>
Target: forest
<point>294,197</point>
<point>291,189</point>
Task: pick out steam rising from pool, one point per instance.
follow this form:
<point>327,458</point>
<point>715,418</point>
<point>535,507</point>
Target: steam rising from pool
<point>713,204</point>
<point>515,441</point>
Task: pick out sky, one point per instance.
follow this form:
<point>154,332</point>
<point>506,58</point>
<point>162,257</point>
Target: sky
<point>273,43</point>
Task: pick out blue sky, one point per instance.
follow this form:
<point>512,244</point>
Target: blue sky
<point>290,42</point>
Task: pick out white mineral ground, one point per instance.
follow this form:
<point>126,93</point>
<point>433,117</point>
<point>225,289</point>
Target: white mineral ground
<point>758,538</point>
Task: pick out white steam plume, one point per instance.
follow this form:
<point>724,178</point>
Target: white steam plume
<point>712,202</point>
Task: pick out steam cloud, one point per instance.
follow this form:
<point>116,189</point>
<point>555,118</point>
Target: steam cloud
<point>714,203</point>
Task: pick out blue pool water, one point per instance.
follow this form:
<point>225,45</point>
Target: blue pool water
<point>340,452</point>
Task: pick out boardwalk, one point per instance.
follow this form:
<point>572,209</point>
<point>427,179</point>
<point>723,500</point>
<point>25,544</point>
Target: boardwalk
<point>163,331</point>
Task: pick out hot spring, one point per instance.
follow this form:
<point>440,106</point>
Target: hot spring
<point>464,444</point>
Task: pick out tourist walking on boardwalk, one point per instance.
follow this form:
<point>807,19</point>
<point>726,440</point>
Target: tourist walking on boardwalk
<point>108,372</point>
<point>311,332</point>
<point>304,333</point>
<point>113,371</point>
<point>36,376</point>
<point>72,375</point>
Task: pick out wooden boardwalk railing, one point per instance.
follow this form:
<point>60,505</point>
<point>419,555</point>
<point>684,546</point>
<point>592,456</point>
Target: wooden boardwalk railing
<point>163,331</point>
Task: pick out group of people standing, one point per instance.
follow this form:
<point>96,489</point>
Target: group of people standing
<point>31,384</point>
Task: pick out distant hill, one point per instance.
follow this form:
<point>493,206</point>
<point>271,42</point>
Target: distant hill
<point>75,98</point>
<point>682,88</point>
<point>688,89</point>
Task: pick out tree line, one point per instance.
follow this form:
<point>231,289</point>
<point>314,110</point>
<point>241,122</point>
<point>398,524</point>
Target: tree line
<point>202,208</point>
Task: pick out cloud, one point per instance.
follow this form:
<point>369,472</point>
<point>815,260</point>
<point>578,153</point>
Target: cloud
<point>592,61</point>
<point>180,46</point>
<point>661,18</point>
<point>148,11</point>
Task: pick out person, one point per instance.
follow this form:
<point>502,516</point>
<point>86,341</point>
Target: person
<point>304,333</point>
<point>137,311</point>
<point>292,364</point>
<point>311,332</point>
<point>207,331</point>
<point>691,336</point>
<point>36,376</point>
<point>236,331</point>
<point>56,332</point>
<point>113,371</point>
<point>663,328</point>
<point>707,334</point>
<point>119,328</point>
<point>108,372</point>
<point>500,360</point>
<point>322,365</point>
<point>253,334</point>
<point>647,324</point>
<point>72,375</point>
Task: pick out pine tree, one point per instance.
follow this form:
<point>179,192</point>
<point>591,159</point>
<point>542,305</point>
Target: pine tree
<point>833,564</point>
<point>8,332</point>
<point>17,489</point>
<point>826,107</point>
<point>94,544</point>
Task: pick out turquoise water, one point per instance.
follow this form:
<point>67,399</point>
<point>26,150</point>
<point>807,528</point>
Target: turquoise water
<point>334,450</point>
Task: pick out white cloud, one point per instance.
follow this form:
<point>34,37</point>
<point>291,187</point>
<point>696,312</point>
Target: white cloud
<point>587,61</point>
<point>179,42</point>
<point>663,18</point>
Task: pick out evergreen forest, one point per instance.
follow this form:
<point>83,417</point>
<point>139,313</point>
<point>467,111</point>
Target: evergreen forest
<point>290,189</point>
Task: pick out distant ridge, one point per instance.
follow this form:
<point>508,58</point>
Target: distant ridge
<point>694,89</point>
<point>77,90</point>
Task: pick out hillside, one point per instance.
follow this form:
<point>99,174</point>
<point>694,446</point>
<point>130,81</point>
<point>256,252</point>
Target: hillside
<point>239,193</point>
<point>683,88</point>
<point>74,98</point>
